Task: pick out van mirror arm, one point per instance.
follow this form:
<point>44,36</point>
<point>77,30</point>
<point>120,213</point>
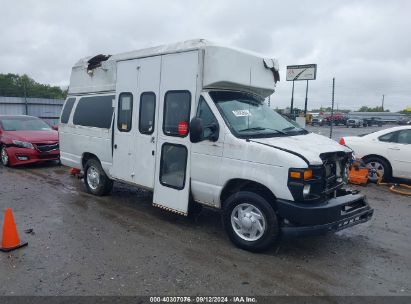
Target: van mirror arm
<point>215,130</point>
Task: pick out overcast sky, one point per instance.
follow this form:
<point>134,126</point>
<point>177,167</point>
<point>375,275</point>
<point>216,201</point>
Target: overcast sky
<point>365,45</point>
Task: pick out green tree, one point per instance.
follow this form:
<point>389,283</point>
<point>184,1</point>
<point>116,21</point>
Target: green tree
<point>13,85</point>
<point>406,111</point>
<point>376,109</point>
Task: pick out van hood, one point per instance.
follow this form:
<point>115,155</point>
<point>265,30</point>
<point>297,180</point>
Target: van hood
<point>309,146</point>
<point>46,136</point>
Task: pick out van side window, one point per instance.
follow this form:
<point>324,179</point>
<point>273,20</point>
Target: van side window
<point>173,165</point>
<point>176,110</point>
<point>65,114</point>
<point>94,111</point>
<point>208,118</point>
<point>125,112</point>
<point>147,113</point>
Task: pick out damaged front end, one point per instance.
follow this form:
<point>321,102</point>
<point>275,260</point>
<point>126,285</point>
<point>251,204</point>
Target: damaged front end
<point>327,205</point>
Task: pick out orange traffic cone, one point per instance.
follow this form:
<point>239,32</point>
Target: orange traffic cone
<point>10,240</point>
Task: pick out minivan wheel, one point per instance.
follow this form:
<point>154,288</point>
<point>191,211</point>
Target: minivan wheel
<point>95,178</point>
<point>4,156</point>
<point>250,221</point>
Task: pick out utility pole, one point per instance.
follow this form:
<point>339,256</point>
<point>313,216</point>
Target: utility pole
<point>25,97</point>
<point>382,106</point>
<point>306,100</point>
<point>332,110</point>
<point>292,101</point>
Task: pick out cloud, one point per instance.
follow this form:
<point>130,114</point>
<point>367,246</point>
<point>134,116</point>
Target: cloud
<point>364,44</point>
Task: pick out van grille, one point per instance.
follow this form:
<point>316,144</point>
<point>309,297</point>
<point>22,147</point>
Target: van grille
<point>333,166</point>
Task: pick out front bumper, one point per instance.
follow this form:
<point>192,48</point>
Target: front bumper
<point>24,156</point>
<point>345,210</point>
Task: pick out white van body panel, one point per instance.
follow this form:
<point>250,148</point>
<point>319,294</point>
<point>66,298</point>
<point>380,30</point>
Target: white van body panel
<point>206,164</point>
<point>76,140</point>
<point>310,145</point>
<point>225,67</point>
<point>259,163</point>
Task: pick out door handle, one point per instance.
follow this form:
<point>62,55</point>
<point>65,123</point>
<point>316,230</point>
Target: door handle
<point>394,148</point>
<point>153,139</point>
<point>115,146</point>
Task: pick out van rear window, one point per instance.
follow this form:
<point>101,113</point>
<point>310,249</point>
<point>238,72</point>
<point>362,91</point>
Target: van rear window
<point>65,114</point>
<point>94,111</point>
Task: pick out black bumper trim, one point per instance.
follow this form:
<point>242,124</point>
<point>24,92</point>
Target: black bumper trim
<point>347,209</point>
<point>358,218</point>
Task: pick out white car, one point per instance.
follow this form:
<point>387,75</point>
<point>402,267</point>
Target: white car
<point>387,152</point>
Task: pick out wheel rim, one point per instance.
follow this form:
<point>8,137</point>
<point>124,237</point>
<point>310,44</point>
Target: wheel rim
<point>93,178</point>
<point>248,222</point>
<point>375,170</point>
<point>4,156</point>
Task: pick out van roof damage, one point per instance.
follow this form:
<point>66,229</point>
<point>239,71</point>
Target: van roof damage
<point>222,68</point>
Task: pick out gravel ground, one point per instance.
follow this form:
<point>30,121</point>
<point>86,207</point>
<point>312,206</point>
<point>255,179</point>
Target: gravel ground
<point>121,245</point>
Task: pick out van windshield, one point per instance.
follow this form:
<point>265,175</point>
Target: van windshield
<point>247,116</point>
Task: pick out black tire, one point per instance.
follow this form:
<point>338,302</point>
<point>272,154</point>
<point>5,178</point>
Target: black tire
<point>371,161</point>
<point>104,184</point>
<point>271,232</point>
<point>4,162</point>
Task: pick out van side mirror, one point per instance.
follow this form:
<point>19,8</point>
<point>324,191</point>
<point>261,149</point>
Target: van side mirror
<point>196,130</point>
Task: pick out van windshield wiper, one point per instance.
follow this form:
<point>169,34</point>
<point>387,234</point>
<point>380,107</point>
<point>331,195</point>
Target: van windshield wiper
<point>292,128</point>
<point>262,129</point>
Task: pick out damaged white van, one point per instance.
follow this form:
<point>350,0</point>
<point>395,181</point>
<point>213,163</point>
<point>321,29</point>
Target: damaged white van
<point>188,121</point>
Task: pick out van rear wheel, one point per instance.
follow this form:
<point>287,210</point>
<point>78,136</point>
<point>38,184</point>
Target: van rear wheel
<point>95,178</point>
<point>250,221</point>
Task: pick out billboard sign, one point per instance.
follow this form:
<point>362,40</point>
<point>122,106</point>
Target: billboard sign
<point>301,72</point>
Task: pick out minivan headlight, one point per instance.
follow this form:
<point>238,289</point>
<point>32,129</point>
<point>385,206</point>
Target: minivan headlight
<point>23,144</point>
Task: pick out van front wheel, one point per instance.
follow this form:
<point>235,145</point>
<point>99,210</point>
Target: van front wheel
<point>250,221</point>
<point>95,178</point>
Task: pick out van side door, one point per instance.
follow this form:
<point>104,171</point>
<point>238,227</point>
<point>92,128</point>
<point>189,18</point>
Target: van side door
<point>207,154</point>
<point>124,125</point>
<point>138,85</point>
<point>178,91</point>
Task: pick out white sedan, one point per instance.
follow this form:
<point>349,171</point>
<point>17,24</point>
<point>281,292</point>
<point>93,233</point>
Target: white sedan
<point>387,152</point>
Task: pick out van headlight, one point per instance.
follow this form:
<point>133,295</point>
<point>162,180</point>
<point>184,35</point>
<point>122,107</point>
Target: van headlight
<point>23,144</point>
<point>306,191</point>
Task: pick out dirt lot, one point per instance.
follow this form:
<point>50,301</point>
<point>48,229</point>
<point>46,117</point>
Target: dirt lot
<point>120,244</point>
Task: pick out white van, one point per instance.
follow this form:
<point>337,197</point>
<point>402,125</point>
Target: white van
<point>188,121</point>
